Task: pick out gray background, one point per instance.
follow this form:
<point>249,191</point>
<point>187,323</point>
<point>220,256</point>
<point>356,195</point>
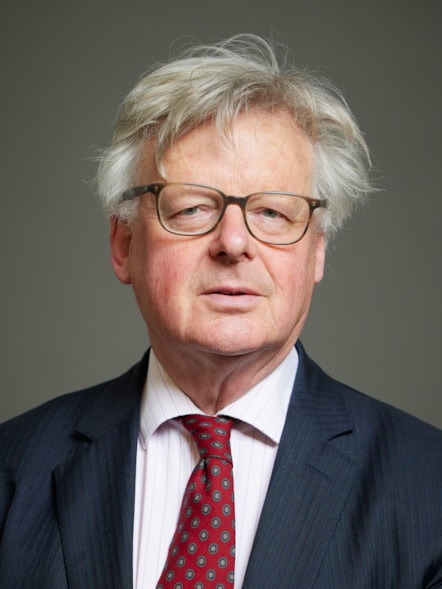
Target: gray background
<point>67,322</point>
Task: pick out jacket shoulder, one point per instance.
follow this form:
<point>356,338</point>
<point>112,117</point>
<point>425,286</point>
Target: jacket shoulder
<point>372,428</point>
<point>52,428</point>
<point>363,410</point>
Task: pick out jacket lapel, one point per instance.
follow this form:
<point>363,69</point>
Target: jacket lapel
<point>95,489</point>
<point>311,481</point>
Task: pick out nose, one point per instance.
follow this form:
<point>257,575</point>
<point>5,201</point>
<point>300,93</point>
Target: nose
<point>231,239</point>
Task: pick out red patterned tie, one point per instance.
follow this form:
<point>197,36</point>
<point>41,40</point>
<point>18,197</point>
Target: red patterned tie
<point>202,552</point>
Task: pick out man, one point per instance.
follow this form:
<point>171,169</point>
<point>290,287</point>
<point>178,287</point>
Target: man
<point>225,179</point>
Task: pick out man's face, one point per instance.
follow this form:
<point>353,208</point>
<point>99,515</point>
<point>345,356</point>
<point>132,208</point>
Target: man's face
<point>225,292</point>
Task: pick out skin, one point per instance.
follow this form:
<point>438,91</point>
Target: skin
<point>223,310</point>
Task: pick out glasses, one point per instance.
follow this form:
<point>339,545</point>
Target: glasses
<point>276,218</point>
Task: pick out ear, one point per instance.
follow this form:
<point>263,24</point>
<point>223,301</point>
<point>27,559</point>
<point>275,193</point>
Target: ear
<point>320,247</point>
<point>120,238</point>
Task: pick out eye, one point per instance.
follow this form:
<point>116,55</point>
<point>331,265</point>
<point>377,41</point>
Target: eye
<point>186,207</point>
<point>270,213</point>
<point>189,211</point>
<point>194,210</point>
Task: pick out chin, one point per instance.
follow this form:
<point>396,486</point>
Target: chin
<point>231,342</point>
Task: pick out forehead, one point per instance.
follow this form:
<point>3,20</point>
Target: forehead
<point>258,145</point>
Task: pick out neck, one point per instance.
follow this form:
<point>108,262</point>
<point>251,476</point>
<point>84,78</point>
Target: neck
<point>213,381</point>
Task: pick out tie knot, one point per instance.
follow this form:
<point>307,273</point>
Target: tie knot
<point>211,434</point>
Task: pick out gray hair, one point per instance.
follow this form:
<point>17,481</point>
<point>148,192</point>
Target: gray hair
<point>219,81</point>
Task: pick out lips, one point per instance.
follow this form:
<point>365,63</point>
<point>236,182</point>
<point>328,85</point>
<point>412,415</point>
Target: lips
<point>228,299</point>
<point>230,291</point>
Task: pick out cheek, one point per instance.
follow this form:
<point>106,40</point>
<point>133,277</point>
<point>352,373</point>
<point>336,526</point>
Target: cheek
<point>162,273</point>
<point>295,277</point>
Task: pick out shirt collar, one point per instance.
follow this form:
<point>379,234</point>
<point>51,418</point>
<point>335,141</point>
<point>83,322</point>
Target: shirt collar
<point>263,407</point>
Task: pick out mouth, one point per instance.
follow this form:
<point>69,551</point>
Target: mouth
<point>231,299</point>
<point>231,292</point>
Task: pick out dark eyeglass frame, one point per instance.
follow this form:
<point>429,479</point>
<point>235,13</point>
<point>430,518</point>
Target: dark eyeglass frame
<point>241,201</point>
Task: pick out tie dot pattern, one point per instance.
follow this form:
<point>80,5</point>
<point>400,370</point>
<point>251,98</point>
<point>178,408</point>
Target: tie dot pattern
<point>202,551</point>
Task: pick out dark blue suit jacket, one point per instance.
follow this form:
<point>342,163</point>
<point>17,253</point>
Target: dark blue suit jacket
<point>354,500</point>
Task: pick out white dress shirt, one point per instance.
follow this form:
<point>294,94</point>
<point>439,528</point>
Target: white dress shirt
<point>166,456</point>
